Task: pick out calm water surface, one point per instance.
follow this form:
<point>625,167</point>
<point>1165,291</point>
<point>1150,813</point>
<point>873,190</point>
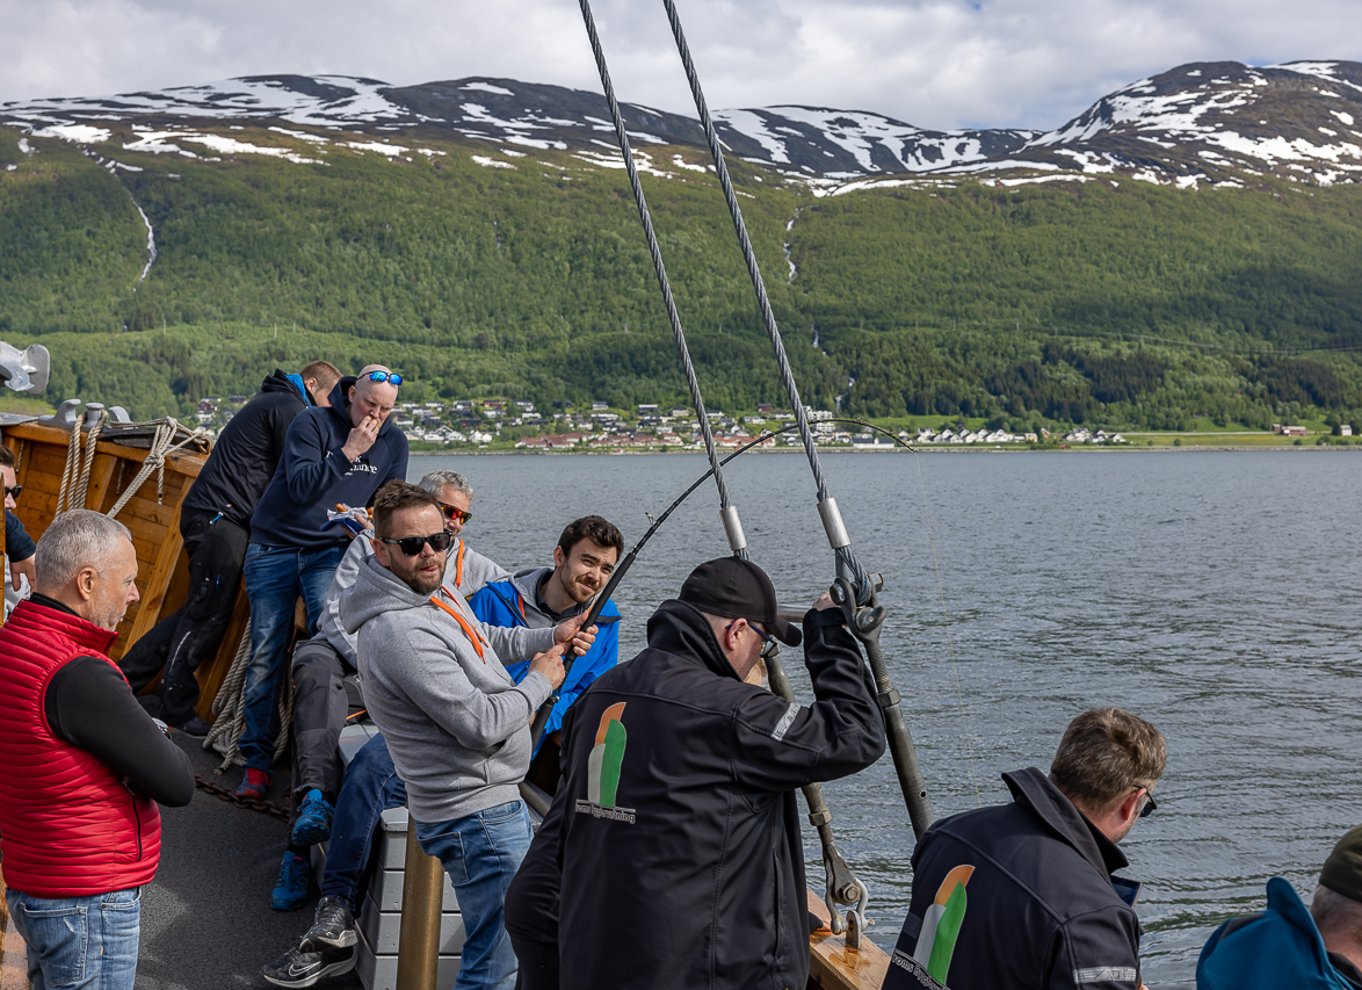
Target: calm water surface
<point>1211,592</point>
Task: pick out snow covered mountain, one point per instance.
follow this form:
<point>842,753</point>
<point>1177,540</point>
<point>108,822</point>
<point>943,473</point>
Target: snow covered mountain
<point>1220,122</point>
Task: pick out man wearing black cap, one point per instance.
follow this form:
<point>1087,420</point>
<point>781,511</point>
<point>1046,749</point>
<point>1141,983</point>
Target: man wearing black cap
<point>671,858</point>
<point>1288,946</point>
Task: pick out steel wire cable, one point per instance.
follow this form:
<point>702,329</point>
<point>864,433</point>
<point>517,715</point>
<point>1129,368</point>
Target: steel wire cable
<point>843,553</point>
<point>732,528</point>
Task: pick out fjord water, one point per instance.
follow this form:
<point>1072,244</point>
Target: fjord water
<point>1214,593</point>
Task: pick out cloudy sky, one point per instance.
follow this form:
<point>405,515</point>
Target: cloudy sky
<point>933,63</point>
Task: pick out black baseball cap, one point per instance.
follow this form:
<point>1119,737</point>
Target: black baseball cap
<point>738,589</point>
<point>1342,871</point>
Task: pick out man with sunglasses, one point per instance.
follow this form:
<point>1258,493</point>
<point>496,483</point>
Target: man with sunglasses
<point>674,840</point>
<point>334,455</point>
<point>1025,895</point>
<point>320,704</point>
<point>19,546</point>
<point>457,726</point>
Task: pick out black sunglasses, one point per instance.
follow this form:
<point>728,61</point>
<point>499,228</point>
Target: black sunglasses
<point>392,377</point>
<point>16,491</point>
<point>1150,805</point>
<point>411,545</point>
<point>454,514</point>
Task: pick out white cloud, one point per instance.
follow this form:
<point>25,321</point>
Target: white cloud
<point>932,63</point>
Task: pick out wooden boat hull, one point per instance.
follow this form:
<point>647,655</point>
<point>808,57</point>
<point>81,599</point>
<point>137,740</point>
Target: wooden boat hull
<point>152,516</point>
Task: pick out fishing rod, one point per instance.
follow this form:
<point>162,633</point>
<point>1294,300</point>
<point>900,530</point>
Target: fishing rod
<point>541,717</point>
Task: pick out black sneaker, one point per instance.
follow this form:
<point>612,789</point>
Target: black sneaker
<point>300,968</point>
<point>333,927</point>
<point>194,726</point>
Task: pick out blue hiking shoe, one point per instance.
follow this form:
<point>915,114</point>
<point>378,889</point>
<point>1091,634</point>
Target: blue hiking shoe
<point>313,823</point>
<point>295,877</point>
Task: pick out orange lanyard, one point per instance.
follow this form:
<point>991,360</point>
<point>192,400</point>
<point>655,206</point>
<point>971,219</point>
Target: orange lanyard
<point>458,565</point>
<point>474,635</point>
<point>520,600</point>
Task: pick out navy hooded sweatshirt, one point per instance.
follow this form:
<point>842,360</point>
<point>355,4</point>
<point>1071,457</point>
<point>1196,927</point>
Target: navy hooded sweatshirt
<point>313,476</point>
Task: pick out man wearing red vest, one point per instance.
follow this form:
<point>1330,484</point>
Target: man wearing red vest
<point>82,766</point>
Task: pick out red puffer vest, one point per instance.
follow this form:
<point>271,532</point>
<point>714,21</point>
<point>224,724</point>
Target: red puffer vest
<point>68,825</point>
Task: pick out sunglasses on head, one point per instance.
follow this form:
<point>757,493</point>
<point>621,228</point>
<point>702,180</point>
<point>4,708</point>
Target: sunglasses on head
<point>454,514</point>
<point>411,545</point>
<point>391,377</point>
<point>16,491</point>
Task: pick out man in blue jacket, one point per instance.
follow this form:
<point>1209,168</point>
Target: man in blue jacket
<point>539,597</point>
<point>1290,946</point>
<point>341,454</point>
<point>215,523</point>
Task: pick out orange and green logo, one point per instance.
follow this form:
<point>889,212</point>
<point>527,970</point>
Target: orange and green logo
<point>941,924</point>
<point>603,776</point>
<point>603,769</point>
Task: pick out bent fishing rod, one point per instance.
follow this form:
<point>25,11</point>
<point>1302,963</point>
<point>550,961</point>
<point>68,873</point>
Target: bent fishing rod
<point>541,717</point>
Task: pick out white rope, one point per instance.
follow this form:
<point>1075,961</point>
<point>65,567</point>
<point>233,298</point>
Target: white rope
<point>69,469</point>
<point>161,447</point>
<point>229,715</point>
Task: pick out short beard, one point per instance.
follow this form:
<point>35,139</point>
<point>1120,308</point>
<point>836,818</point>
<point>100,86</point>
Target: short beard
<point>422,587</point>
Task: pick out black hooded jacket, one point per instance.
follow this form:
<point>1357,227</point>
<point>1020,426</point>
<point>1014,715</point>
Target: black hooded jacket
<point>1042,909</point>
<point>247,451</point>
<point>675,834</point>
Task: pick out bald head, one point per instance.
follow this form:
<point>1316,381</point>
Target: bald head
<point>369,398</point>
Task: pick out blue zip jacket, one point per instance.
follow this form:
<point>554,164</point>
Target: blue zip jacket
<point>18,544</point>
<point>1281,947</point>
<point>515,602</point>
<point>313,475</point>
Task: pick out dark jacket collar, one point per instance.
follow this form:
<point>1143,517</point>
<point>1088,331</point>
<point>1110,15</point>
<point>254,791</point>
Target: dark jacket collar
<point>681,630</point>
<point>1033,789</point>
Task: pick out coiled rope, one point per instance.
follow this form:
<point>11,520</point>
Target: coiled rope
<point>732,526</point>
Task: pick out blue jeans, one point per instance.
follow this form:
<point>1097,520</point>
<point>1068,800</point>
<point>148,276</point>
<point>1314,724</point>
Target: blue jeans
<point>481,854</point>
<point>275,576</point>
<point>370,787</point>
<point>79,943</point>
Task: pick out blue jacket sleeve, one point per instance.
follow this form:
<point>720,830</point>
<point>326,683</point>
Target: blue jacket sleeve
<point>311,463</point>
<point>18,544</point>
<point>603,655</point>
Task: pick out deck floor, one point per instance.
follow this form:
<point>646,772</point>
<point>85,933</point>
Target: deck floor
<point>206,918</point>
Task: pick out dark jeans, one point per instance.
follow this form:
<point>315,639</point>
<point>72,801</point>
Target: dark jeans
<point>371,787</point>
<point>180,642</point>
<point>319,709</point>
<point>275,576</point>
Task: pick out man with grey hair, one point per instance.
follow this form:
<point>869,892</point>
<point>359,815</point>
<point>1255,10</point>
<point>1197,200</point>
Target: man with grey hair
<point>1288,946</point>
<point>320,666</point>
<point>333,455</point>
<point>82,765</point>
<point>1025,895</point>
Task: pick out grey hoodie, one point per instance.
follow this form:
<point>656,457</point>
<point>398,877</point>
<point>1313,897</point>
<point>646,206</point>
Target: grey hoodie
<point>457,726</point>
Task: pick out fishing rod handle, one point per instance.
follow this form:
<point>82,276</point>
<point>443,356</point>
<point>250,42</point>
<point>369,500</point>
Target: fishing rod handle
<point>901,748</point>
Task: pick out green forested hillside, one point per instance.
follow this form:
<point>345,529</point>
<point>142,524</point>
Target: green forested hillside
<point>1112,302</point>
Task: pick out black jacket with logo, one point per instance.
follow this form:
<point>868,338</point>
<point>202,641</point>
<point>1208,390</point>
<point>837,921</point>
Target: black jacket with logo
<point>247,451</point>
<point>1041,908</point>
<point>675,834</point>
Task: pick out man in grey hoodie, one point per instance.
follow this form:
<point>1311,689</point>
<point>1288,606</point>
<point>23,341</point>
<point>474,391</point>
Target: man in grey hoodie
<point>456,724</point>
